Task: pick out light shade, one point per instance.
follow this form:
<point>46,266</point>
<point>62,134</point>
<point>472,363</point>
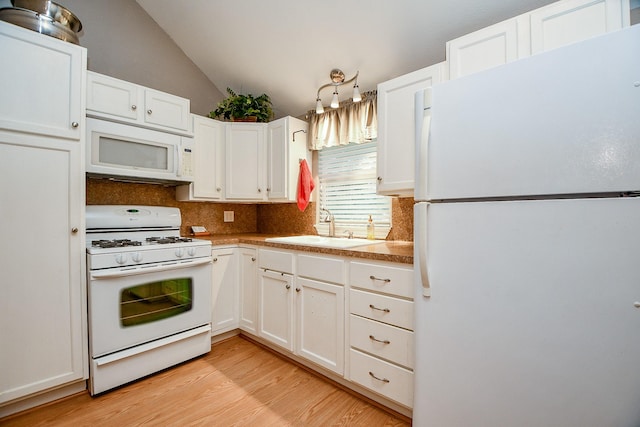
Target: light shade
<point>319,107</point>
<point>356,93</point>
<point>335,103</point>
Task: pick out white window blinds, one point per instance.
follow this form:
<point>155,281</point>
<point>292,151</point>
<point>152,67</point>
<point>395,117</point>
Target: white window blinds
<point>347,188</point>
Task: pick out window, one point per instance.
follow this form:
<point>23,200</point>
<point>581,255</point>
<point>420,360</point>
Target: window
<point>347,188</point>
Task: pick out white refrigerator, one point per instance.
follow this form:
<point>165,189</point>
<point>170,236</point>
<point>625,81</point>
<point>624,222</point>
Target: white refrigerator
<point>527,242</point>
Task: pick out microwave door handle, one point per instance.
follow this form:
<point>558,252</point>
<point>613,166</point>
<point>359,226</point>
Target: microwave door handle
<point>177,160</point>
<point>125,272</point>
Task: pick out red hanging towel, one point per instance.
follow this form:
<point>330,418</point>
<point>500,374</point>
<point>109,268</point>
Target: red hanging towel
<point>305,185</point>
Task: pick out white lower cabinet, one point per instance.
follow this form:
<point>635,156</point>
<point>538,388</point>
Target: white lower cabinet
<point>300,314</point>
<point>276,308</point>
<point>248,278</point>
<point>301,306</point>
<point>225,301</point>
<point>381,329</point>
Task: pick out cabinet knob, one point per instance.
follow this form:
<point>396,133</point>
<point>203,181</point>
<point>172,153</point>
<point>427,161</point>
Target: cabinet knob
<point>268,189</point>
<point>134,107</point>
<point>149,111</point>
<point>218,189</point>
<point>74,230</point>
<point>215,259</point>
<point>379,179</point>
<point>288,286</point>
<point>636,304</point>
<point>259,190</point>
<point>253,258</point>
<point>74,124</point>
<point>297,289</point>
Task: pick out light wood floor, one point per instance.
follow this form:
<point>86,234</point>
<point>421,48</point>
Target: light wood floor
<point>238,383</point>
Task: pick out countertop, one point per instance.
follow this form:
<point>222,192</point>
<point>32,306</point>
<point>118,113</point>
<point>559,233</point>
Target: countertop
<point>392,250</point>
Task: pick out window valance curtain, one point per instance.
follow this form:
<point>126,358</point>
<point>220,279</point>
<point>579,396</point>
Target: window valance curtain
<point>352,123</point>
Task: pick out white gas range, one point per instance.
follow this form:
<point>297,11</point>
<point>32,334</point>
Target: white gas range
<point>149,293</point>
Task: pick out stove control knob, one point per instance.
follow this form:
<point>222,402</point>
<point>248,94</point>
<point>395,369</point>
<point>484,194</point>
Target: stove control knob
<point>136,257</point>
<point>179,252</point>
<point>191,251</point>
<point>121,258</point>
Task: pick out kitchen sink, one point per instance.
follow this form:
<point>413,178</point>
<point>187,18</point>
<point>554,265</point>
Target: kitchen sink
<point>323,241</point>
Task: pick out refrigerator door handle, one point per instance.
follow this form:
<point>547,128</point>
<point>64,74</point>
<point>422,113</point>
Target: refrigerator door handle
<point>421,212</point>
<point>423,127</point>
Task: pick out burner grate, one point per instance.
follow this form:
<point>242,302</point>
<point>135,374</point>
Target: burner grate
<point>116,243</point>
<point>171,239</point>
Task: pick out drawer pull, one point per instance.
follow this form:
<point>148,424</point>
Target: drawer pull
<point>377,278</point>
<point>384,380</point>
<point>373,307</point>
<point>372,338</point>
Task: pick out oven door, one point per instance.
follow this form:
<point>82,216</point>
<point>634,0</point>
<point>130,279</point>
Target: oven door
<point>129,306</point>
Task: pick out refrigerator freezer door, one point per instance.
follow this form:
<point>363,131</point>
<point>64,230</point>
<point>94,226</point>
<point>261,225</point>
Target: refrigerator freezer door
<point>560,122</point>
<point>531,319</point>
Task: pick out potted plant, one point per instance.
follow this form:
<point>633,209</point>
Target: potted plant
<point>246,108</point>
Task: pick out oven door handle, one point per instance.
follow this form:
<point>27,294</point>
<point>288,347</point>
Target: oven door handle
<point>152,268</point>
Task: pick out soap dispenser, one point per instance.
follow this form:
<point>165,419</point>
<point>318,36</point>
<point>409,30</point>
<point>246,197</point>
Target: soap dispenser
<point>371,229</point>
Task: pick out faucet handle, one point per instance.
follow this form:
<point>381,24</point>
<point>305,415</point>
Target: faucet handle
<point>349,234</point>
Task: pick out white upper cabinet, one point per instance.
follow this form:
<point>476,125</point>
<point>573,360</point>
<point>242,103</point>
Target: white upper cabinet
<point>487,48</point>
<point>208,161</point>
<point>245,161</point>
<point>122,101</point>
<point>396,129</point>
<point>573,20</point>
<point>44,99</point>
<point>286,147</point>
<point>549,27</point>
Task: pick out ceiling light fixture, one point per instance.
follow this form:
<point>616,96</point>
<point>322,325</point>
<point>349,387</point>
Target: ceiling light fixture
<point>337,79</point>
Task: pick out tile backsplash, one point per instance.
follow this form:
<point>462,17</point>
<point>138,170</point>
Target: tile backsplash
<point>248,218</point>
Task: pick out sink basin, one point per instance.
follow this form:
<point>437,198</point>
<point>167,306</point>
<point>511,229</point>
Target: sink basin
<point>323,241</point>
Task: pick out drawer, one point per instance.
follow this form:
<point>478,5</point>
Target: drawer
<point>276,260</point>
<point>382,278</point>
<point>322,268</point>
<point>393,311</point>
<point>384,378</point>
<point>382,340</point>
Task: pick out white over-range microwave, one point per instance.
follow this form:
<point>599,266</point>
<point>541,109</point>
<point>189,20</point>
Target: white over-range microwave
<point>131,153</point>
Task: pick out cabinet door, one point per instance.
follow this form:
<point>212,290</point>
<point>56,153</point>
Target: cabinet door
<point>166,110</point>
<point>224,293</point>
<point>487,48</point>
<point>43,305</point>
<point>276,308</point>
<point>208,159</point>
<point>396,129</point>
<point>112,98</point>
<point>248,290</point>
<point>42,84</point>
<point>277,160</point>
<point>570,21</point>
<point>286,147</point>
<point>244,150</point>
<point>320,323</point>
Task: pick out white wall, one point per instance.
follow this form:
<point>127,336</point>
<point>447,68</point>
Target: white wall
<point>124,42</point>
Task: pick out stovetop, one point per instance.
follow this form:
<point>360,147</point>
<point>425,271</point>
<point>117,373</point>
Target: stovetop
<point>120,243</point>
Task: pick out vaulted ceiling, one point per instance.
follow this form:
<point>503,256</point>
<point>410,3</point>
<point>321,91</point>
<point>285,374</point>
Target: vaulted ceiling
<point>286,48</point>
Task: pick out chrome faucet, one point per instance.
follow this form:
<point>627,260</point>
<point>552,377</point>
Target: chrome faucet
<point>330,219</point>
<point>349,234</point>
